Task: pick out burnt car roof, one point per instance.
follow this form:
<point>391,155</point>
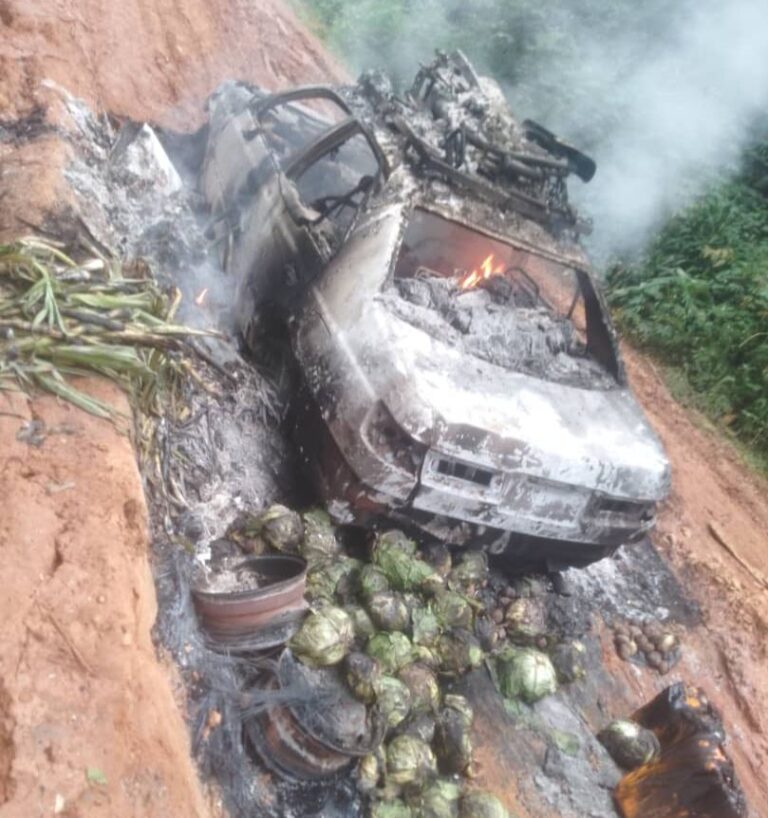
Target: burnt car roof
<point>455,127</point>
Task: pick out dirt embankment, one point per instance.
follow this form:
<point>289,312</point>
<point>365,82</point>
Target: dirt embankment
<point>90,721</point>
<point>153,60</point>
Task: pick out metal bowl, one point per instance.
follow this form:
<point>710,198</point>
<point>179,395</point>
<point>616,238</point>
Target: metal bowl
<point>259,617</point>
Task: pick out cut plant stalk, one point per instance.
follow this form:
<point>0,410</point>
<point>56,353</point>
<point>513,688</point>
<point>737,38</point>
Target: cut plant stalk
<point>61,319</point>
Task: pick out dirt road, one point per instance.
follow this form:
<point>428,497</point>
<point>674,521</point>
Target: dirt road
<point>80,686</point>
<point>714,533</point>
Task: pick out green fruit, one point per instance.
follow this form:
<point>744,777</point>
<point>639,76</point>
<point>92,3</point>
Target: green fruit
<point>426,628</point>
<point>362,673</point>
<point>393,650</point>
<point>437,799</point>
<point>324,638</point>
<point>409,760</point>
<point>392,808</point>
<point>459,652</point>
<point>423,686</point>
<point>393,700</point>
<point>319,541</point>
<point>525,673</point>
<point>388,611</point>
<point>481,805</point>
<point>452,610</point>
<point>372,581</point>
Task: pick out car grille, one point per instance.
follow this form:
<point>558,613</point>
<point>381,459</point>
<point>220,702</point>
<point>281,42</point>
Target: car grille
<point>462,471</point>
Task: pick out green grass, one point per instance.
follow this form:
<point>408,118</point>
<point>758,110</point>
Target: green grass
<point>698,301</point>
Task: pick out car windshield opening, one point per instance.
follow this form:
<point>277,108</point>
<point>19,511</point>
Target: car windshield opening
<point>496,301</point>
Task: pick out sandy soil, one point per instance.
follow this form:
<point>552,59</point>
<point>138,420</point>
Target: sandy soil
<point>80,685</point>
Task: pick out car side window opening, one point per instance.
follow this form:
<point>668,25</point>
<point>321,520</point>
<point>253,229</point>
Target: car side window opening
<point>291,126</point>
<point>337,182</point>
<point>331,180</point>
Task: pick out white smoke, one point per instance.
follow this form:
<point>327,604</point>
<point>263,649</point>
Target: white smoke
<point>664,110</point>
<point>686,115</point>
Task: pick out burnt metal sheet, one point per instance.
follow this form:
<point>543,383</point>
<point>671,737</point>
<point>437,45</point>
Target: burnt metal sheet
<point>693,775</point>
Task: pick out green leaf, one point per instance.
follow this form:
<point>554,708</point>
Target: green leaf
<point>95,775</point>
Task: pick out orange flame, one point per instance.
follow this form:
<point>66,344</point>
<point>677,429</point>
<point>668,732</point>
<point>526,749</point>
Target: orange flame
<point>200,299</point>
<point>486,270</point>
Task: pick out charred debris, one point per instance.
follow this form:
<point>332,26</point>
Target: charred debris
<point>342,670</point>
<point>458,368</point>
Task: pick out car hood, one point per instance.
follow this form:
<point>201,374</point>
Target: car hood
<point>481,413</point>
<point>475,410</point>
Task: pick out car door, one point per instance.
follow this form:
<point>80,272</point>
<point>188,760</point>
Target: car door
<point>299,206</point>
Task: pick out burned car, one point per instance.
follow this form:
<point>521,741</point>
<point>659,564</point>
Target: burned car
<point>461,372</point>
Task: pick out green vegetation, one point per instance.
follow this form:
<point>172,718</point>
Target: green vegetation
<point>698,300</point>
<point>550,57</point>
<point>60,319</point>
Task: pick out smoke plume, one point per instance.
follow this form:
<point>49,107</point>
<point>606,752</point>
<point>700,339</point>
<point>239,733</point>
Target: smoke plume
<point>665,95</point>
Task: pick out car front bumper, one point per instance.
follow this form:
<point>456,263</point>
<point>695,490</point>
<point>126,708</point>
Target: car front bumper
<point>461,502</point>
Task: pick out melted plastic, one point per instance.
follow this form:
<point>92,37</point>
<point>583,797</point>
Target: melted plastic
<point>693,777</point>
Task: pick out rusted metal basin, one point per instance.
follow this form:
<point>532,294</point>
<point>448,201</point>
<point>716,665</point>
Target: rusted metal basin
<point>257,617</point>
<point>315,728</point>
<point>287,749</point>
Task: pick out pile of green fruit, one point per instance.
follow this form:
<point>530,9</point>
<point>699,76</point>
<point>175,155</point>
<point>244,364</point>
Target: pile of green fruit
<point>402,625</point>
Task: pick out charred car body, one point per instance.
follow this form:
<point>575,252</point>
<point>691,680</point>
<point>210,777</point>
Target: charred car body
<point>457,354</point>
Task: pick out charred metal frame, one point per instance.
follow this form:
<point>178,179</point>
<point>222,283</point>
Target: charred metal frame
<point>332,138</point>
<point>363,367</point>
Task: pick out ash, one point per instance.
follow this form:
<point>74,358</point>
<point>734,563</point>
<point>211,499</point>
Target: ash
<point>501,322</point>
<point>229,453</point>
<point>634,584</point>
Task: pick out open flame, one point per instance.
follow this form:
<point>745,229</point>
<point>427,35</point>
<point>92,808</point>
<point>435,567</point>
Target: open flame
<point>490,267</point>
<point>201,296</point>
